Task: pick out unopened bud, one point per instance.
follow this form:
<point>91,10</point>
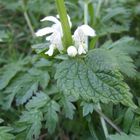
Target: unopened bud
<point>72,51</point>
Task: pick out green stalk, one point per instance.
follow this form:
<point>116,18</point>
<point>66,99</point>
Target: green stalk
<point>29,23</point>
<point>108,121</point>
<point>26,16</point>
<point>98,8</point>
<point>86,19</point>
<point>86,12</point>
<point>103,123</point>
<point>67,37</point>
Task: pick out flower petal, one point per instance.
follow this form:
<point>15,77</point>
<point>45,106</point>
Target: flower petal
<point>88,31</point>
<point>81,50</point>
<point>52,19</point>
<point>48,38</point>
<point>58,28</point>
<point>51,50</point>
<point>44,31</point>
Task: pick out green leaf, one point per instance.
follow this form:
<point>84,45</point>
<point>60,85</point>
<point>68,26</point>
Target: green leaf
<point>5,133</point>
<point>93,78</point>
<point>125,63</point>
<point>121,49</point>
<point>125,44</point>
<point>112,12</point>
<point>114,19</point>
<point>68,107</point>
<point>51,116</point>
<point>37,101</point>
<point>135,128</point>
<point>105,29</point>
<point>128,120</point>
<point>39,48</point>
<point>39,7</point>
<point>14,5</point>
<point>42,76</point>
<point>32,120</point>
<point>9,71</point>
<point>93,42</point>
<point>25,85</point>
<point>3,35</point>
<point>87,108</point>
<point>43,63</point>
<point>123,136</point>
<point>7,100</point>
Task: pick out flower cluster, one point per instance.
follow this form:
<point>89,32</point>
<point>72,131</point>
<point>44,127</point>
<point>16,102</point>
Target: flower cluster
<point>55,35</point>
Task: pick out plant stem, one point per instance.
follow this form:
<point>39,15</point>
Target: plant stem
<point>103,123</point>
<point>92,131</point>
<point>108,121</point>
<point>28,20</point>
<point>86,19</point>
<point>67,37</point>
<point>98,8</point>
<point>29,24</point>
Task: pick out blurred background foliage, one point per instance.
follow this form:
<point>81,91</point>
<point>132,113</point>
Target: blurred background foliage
<point>22,71</point>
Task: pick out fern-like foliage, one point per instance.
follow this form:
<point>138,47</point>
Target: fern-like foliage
<point>95,78</point>
<point>126,44</point>
<point>123,136</point>
<point>104,29</point>
<point>51,115</point>
<point>115,19</point>
<point>67,105</point>
<point>125,61</point>
<point>40,108</point>
<point>34,6</point>
<point>23,82</point>
<point>32,123</point>
<point>5,132</point>
<point>87,108</point>
<point>25,85</point>
<point>10,70</point>
<point>122,50</point>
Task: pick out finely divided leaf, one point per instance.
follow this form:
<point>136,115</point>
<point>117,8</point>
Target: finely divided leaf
<point>9,71</point>
<point>125,63</point>
<point>5,133</point>
<point>123,136</point>
<point>128,120</point>
<point>37,101</point>
<point>25,85</point>
<point>32,120</point>
<point>121,49</point>
<point>51,115</point>
<point>68,106</point>
<point>125,44</point>
<point>87,108</point>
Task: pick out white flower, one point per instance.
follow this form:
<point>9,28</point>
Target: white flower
<point>44,31</point>
<point>56,34</point>
<point>81,49</point>
<point>79,38</point>
<point>51,50</point>
<point>72,51</point>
